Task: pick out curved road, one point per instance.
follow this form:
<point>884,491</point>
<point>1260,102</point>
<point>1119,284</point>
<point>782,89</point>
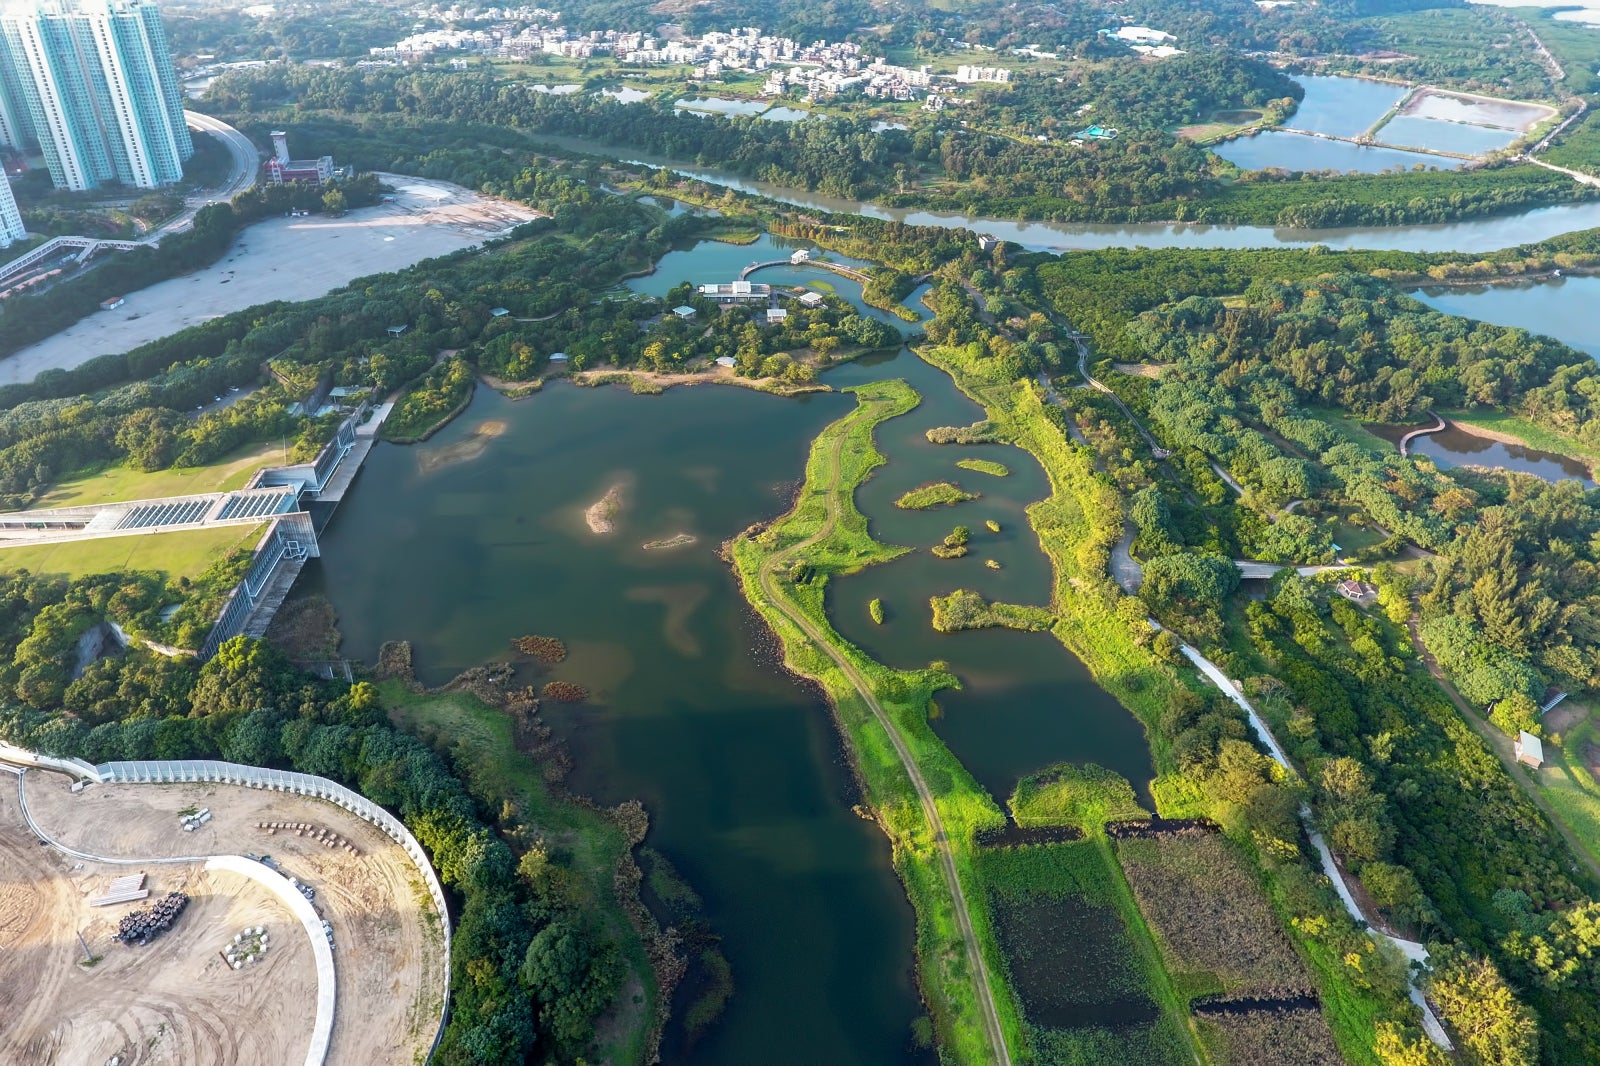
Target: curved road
<point>930,809</point>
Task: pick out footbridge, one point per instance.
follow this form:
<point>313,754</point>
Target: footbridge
<point>849,272</point>
<point>81,250</point>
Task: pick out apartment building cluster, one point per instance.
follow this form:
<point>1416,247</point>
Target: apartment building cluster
<point>91,85</point>
<point>877,79</point>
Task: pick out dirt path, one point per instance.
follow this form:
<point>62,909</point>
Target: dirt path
<point>930,809</point>
<point>1500,744</point>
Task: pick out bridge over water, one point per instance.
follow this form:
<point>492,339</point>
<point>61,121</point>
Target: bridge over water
<point>849,272</point>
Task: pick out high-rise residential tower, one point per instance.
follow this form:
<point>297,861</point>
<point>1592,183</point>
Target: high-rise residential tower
<point>11,228</point>
<point>91,82</point>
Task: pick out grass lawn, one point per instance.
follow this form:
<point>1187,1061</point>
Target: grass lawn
<point>182,554</point>
<point>481,744</point>
<point>1350,428</point>
<point>1571,789</point>
<point>1352,538</point>
<point>1534,436</point>
<point>118,483</point>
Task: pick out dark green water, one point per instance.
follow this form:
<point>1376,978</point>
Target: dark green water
<point>740,766</point>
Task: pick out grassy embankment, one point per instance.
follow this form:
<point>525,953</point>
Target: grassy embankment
<point>178,555</point>
<point>483,748</point>
<point>1077,525</point>
<point>883,714</point>
<point>115,484</point>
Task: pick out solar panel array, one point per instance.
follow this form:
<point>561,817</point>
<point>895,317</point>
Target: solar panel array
<point>257,505</point>
<point>147,515</point>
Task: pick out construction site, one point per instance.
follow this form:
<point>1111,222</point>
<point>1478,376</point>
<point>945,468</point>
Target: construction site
<point>257,926</point>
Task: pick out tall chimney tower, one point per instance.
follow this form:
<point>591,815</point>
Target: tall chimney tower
<point>280,146</point>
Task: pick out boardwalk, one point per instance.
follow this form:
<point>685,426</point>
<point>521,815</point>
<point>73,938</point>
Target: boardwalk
<point>849,272</point>
<point>1405,441</point>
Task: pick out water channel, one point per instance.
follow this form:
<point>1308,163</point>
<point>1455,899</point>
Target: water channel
<point>740,767</point>
<point>1563,308</point>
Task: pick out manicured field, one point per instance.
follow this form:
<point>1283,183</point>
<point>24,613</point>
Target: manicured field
<point>178,555</point>
<point>123,482</point>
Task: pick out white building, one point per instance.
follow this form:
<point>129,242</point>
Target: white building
<point>969,75</point>
<point>1141,35</point>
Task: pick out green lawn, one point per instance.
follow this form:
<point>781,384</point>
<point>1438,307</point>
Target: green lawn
<point>1571,789</point>
<point>118,483</point>
<point>182,554</point>
<point>481,744</point>
<point>1350,428</point>
<point>1534,436</point>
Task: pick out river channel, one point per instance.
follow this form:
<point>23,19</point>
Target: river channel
<point>740,767</point>
<point>1476,235</point>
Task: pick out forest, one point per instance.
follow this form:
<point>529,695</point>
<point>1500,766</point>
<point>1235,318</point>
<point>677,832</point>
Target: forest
<point>992,163</point>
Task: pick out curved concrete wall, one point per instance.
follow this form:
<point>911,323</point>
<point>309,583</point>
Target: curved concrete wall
<point>180,771</point>
<point>321,953</point>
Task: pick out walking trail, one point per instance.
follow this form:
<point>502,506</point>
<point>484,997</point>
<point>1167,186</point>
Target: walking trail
<point>930,809</point>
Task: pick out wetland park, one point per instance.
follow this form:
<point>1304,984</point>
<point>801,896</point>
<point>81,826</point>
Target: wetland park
<point>835,582</point>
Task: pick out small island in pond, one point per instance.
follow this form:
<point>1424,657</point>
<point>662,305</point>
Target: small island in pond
<point>984,466</point>
<point>677,540</point>
<point>601,515</point>
<point>934,494</point>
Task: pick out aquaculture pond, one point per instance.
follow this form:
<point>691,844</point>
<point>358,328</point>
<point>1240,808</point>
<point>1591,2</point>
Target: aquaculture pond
<point>740,766</point>
<point>1297,151</point>
<point>1563,308</point>
<point>1342,107</point>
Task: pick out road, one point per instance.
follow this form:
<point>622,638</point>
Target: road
<point>246,165</point>
<point>1409,948</point>
<point>930,809</point>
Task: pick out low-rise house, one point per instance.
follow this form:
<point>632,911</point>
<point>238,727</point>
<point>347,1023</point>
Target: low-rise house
<point>684,311</point>
<point>1529,749</point>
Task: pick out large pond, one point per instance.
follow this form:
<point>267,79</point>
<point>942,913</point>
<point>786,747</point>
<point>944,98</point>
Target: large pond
<point>1296,151</point>
<point>740,766</point>
<point>1343,107</point>
<point>1477,235</point>
<point>1563,308</point>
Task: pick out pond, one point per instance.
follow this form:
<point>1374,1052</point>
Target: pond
<point>556,90</point>
<point>1441,136</point>
<point>741,768</point>
<point>1563,308</point>
<point>722,106</point>
<point>1297,151</point>
<point>789,114</point>
<point>1456,446</point>
<point>626,94</point>
<point>1343,107</point>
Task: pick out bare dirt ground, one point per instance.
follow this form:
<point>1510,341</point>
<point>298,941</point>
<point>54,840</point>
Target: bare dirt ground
<point>284,259</point>
<point>174,1000</point>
